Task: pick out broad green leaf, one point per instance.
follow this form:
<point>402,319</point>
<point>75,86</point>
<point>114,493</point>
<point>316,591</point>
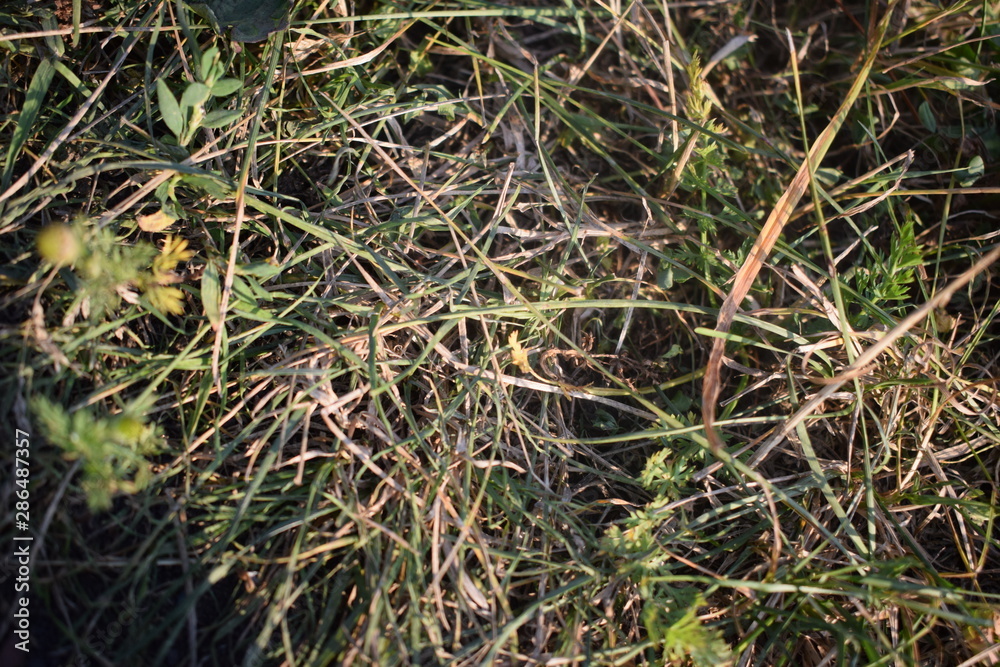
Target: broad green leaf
<point>194,96</point>
<point>54,41</point>
<point>213,187</point>
<point>29,112</point>
<point>251,20</point>
<point>927,117</point>
<point>211,294</point>
<point>221,118</point>
<point>263,270</point>
<point>243,292</point>
<point>224,87</point>
<point>256,288</point>
<point>208,61</point>
<point>169,109</point>
<point>973,172</point>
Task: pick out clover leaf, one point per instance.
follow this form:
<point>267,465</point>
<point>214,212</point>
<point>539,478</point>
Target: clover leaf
<point>251,20</point>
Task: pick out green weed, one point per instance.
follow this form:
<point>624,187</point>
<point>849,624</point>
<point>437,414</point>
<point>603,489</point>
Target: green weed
<point>381,340</point>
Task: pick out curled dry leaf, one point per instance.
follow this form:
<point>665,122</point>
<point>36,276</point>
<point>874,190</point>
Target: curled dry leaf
<point>156,222</point>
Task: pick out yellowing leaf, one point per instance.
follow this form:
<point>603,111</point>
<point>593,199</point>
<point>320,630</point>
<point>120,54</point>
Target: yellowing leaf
<point>517,354</point>
<point>944,321</point>
<point>156,222</point>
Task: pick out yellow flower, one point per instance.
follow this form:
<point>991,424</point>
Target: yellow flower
<point>167,299</point>
<point>175,250</point>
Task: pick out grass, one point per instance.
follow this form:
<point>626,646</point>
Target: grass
<point>384,340</point>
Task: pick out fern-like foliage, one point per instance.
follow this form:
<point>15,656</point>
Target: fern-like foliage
<point>113,449</point>
<point>886,281</point>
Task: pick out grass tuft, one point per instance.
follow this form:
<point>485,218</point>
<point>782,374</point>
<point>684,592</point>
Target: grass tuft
<point>388,339</point>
